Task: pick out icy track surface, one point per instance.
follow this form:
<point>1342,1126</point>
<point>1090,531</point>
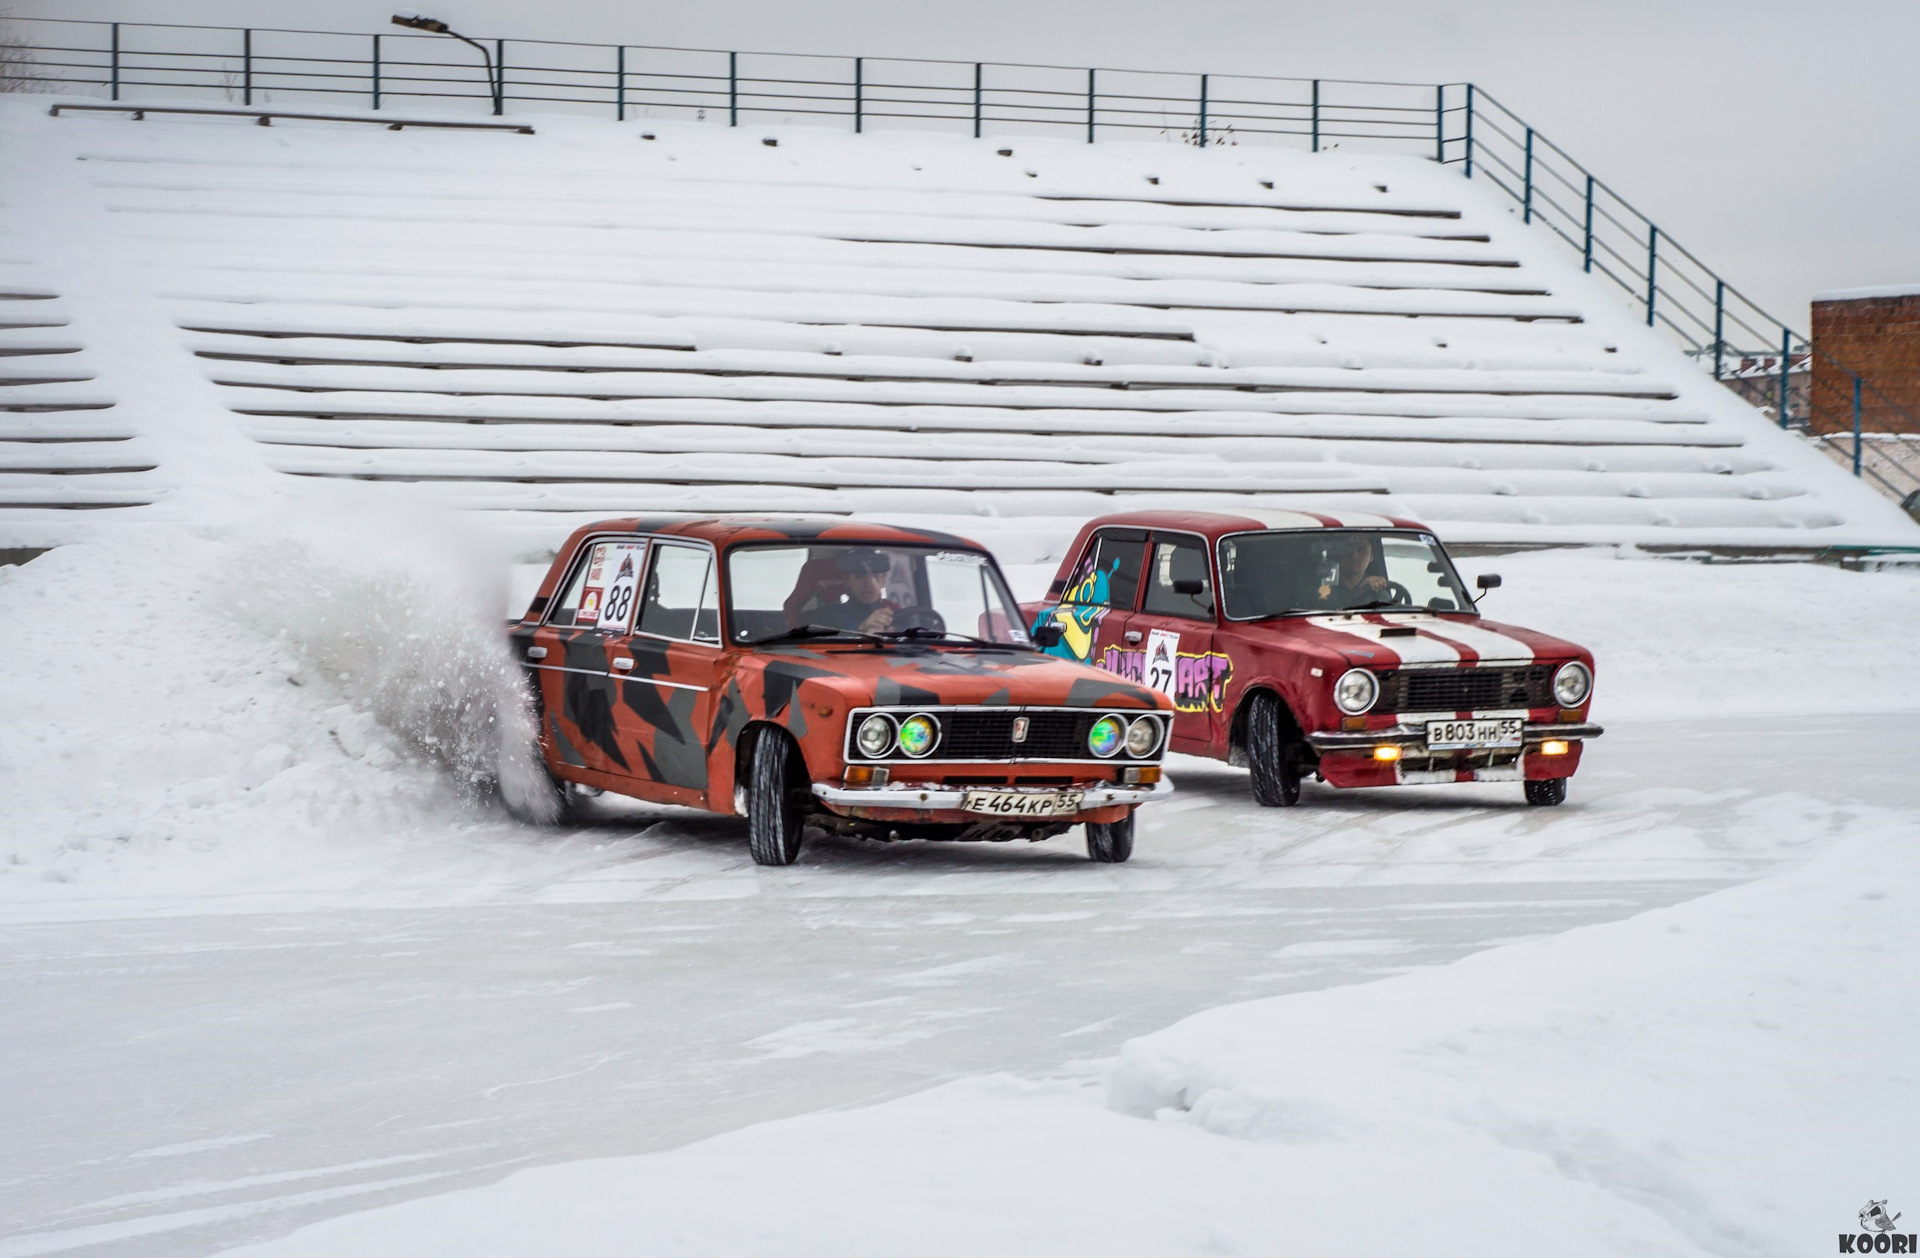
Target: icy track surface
<point>266,958</point>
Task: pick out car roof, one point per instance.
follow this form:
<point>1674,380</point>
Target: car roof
<point>1216,524</point>
<point>725,530</point>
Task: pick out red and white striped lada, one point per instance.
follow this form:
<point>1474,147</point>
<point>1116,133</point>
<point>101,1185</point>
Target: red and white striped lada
<point>1343,646</point>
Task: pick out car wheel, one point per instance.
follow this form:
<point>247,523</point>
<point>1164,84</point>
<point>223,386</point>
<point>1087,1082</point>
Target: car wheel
<point>774,813</point>
<point>1110,842</point>
<point>1271,752</point>
<point>1547,791</point>
<point>545,801</point>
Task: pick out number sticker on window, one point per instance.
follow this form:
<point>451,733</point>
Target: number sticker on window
<point>613,576</point>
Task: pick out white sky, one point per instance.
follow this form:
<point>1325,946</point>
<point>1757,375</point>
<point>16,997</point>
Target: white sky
<point>1776,140</point>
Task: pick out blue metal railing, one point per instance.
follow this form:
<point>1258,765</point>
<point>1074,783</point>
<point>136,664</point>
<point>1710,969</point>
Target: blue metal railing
<point>1452,123</point>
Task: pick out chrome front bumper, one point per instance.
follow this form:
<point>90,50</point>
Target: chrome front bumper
<point>942,799</point>
<point>1416,735</point>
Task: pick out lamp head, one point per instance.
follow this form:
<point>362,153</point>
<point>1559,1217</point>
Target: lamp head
<point>420,22</point>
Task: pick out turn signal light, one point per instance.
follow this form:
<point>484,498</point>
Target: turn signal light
<point>1353,722</point>
<point>1386,752</point>
<point>1570,716</point>
<point>1140,775</point>
<point>1554,747</point>
<point>867,775</point>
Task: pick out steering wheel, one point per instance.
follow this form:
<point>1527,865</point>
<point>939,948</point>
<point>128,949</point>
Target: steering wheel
<point>1398,593</point>
<point>905,618</point>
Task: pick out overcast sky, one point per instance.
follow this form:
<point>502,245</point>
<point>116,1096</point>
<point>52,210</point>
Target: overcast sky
<point>1776,140</point>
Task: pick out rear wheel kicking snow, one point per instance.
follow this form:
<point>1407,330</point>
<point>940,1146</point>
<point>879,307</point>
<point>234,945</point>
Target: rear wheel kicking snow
<point>1110,842</point>
<point>775,794</point>
<point>1272,751</point>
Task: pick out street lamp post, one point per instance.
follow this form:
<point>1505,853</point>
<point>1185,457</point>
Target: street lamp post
<point>433,25</point>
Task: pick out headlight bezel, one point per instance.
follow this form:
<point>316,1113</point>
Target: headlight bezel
<point>933,740</point>
<point>1573,669</point>
<point>1157,729</point>
<point>882,721</point>
<point>1119,724</point>
<point>1356,707</point>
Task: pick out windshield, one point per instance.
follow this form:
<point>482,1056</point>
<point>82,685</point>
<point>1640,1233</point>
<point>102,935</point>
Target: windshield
<point>1332,570</point>
<point>890,591</point>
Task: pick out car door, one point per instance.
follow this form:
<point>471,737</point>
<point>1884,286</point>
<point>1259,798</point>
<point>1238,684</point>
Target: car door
<point>1173,633</point>
<point>1098,599</point>
<point>571,656</point>
<point>666,669</point>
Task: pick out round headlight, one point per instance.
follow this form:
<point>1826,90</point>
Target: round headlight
<point>1105,737</point>
<point>918,734</point>
<point>1572,684</point>
<point>875,736</point>
<point>1356,690</point>
<point>1143,737</point>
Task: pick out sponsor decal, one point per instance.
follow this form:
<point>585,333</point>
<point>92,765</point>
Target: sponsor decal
<point>1876,1234</point>
<point>589,613</point>
<point>1198,682</point>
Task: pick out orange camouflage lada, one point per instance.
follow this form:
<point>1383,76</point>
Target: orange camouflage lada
<point>858,678</point>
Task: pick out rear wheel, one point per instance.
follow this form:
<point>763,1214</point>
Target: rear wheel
<point>1110,842</point>
<point>775,813</point>
<point>1273,751</point>
<point>1547,791</point>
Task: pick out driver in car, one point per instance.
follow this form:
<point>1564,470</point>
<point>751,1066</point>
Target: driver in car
<point>866,608</point>
<point>1355,580</point>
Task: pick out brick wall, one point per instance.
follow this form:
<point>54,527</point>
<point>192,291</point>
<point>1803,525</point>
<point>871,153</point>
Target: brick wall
<point>1879,337</point>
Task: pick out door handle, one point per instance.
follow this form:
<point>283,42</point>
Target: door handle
<point>622,663</point>
<point>1133,636</point>
<point>536,653</point>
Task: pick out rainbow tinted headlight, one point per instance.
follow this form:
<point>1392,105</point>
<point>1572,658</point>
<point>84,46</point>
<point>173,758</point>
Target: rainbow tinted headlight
<point>919,734</point>
<point>1106,736</point>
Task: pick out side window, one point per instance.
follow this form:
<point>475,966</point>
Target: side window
<point>1177,581</point>
<point>1109,574</point>
<point>601,593</point>
<point>680,599</point>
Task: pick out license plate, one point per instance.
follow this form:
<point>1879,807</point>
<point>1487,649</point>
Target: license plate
<point>1023,803</point>
<point>1460,735</point>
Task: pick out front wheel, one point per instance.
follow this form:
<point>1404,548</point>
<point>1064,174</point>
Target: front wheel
<point>1547,791</point>
<point>1272,754</point>
<point>1110,842</point>
<point>774,812</point>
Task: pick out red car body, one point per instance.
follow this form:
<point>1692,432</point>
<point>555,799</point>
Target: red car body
<point>676,717</point>
<point>1430,664</point>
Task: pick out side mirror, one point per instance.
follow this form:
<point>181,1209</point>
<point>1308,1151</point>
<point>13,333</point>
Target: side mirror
<point>1048,635</point>
<point>1189,585</point>
<point>1488,581</point>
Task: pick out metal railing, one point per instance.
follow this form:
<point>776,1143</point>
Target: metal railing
<point>1455,124</point>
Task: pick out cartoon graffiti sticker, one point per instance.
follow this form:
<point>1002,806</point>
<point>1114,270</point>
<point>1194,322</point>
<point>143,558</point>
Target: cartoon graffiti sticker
<point>1082,607</point>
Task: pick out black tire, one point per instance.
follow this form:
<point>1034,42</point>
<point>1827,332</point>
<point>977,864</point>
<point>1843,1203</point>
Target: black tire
<point>1110,842</point>
<point>1547,792</point>
<point>1272,753</point>
<point>775,814</point>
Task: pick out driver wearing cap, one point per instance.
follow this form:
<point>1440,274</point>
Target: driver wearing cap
<point>866,608</point>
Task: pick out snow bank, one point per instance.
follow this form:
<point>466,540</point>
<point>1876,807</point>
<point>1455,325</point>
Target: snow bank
<point>277,689</point>
<point>1729,1076</point>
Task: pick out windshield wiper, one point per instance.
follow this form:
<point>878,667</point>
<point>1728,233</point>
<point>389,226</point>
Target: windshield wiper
<point>922,632</point>
<point>1379,604</point>
<point>802,632</point>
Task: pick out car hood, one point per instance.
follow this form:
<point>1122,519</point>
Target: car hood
<point>917,676</point>
<point>1376,640</point>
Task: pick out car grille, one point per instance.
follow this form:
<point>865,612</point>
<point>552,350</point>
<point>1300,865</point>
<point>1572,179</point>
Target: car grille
<point>1466,689</point>
<point>989,736</point>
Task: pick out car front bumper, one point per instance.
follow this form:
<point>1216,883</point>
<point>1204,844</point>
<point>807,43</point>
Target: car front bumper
<point>937,798</point>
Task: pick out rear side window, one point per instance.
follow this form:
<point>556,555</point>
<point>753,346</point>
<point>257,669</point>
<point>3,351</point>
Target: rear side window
<point>1178,583</point>
<point>1108,575</point>
<point>681,599</point>
<point>602,592</point>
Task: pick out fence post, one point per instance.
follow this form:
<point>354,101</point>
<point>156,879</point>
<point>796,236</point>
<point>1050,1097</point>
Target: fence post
<point>1587,252</point>
<point>1856,420</point>
<point>1786,357</point>
<point>113,73</point>
<point>376,72</point>
<point>976,100</point>
<point>1719,326</point>
<point>1440,123</point>
<point>733,89</point>
<point>1653,261</point>
<point>1469,130</point>
<point>1316,115</point>
<point>1203,111</point>
<point>499,76</point>
<point>246,66</point>
<point>1526,196</point>
<point>1090,106</point>
<point>620,84</point>
<point>857,93</point>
